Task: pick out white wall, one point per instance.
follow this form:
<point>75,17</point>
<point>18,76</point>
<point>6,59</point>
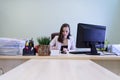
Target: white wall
<point>33,18</point>
<point>114,30</point>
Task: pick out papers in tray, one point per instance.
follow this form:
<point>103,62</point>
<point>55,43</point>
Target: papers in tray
<point>116,49</point>
<point>9,46</point>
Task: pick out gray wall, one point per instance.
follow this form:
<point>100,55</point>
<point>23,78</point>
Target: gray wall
<point>114,30</point>
<point>24,19</point>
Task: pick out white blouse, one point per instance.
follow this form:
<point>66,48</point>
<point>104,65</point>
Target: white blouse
<point>57,44</point>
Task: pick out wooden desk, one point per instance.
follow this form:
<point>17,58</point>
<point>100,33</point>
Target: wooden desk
<point>111,63</point>
<point>50,69</point>
<point>63,56</point>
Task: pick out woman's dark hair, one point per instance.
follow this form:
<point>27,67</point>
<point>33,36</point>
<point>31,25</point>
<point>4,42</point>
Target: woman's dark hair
<point>61,37</point>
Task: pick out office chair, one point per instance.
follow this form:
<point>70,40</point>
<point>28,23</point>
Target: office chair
<point>54,34</point>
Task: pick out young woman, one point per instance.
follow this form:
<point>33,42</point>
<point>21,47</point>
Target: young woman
<point>64,41</point>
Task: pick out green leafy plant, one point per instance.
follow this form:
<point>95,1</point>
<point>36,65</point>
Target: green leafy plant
<point>43,40</point>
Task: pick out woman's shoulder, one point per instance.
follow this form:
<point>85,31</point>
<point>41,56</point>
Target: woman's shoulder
<point>71,37</point>
<point>56,37</point>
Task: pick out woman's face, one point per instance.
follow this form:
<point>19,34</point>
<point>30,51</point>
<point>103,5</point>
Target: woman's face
<point>65,31</point>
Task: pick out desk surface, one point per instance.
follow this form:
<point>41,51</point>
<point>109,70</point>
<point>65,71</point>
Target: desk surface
<point>66,56</point>
<point>46,69</point>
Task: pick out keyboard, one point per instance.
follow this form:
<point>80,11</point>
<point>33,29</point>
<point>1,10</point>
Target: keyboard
<point>80,52</point>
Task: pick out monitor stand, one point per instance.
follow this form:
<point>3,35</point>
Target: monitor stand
<point>93,50</point>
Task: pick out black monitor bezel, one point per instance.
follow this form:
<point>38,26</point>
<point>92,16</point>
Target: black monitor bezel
<point>81,27</point>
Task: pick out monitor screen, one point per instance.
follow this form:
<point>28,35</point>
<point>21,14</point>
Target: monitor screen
<point>90,36</point>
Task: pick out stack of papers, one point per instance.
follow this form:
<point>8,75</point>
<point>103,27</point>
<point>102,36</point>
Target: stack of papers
<point>116,49</point>
<point>9,46</point>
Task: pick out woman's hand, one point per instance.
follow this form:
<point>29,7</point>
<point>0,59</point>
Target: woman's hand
<point>65,50</point>
<point>54,48</point>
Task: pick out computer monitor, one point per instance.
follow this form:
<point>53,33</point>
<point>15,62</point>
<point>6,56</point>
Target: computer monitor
<point>90,36</point>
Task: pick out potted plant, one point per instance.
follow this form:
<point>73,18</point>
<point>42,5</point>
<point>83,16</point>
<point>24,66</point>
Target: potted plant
<point>43,47</point>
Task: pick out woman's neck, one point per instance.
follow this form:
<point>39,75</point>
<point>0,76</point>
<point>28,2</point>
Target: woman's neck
<point>65,42</point>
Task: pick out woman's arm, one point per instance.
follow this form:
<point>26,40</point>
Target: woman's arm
<point>53,43</point>
<point>72,44</point>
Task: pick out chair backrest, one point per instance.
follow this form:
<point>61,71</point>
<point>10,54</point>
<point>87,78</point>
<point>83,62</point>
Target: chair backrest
<point>54,34</point>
